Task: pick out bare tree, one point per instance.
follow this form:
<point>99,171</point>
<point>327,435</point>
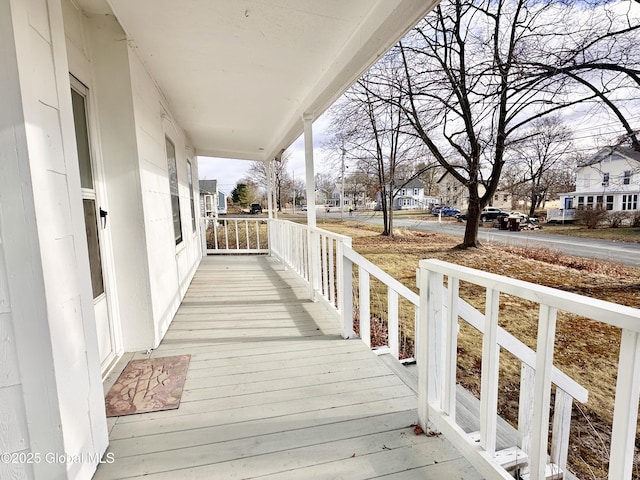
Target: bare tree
<point>370,133</point>
<point>478,73</point>
<point>536,160</point>
<point>258,172</point>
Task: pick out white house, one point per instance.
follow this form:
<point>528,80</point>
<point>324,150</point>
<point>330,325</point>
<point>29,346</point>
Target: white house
<point>213,202</point>
<point>410,196</point>
<point>105,105</point>
<point>354,196</point>
<point>609,180</point>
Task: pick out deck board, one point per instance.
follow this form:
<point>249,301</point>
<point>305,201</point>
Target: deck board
<point>274,392</point>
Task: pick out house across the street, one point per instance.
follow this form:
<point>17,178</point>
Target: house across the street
<point>609,180</point>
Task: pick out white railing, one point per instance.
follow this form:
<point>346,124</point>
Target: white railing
<point>235,235</point>
<point>436,357</point>
<point>328,263</point>
<point>394,292</point>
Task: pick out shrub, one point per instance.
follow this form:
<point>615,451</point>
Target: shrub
<point>591,217</point>
<point>617,219</point>
<point>635,219</point>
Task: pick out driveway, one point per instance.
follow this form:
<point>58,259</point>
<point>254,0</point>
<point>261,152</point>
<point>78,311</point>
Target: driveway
<point>619,252</point>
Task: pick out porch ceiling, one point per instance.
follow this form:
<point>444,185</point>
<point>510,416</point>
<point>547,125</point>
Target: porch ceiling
<point>240,74</point>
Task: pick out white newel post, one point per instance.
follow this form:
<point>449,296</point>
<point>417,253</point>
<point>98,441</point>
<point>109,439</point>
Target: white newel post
<point>625,412</point>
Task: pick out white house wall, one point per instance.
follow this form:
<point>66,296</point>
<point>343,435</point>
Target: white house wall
<point>171,266</point>
<point>95,51</point>
<point>45,249</point>
<point>152,274</point>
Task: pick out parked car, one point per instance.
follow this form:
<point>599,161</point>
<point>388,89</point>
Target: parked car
<point>491,213</point>
<point>255,208</point>
<point>449,212</point>
<point>522,216</point>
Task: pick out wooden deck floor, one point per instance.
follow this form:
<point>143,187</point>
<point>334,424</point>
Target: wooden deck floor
<point>273,392</point>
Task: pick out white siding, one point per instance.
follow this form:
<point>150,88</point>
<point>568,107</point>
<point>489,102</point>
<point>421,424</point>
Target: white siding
<point>171,266</point>
<point>49,332</point>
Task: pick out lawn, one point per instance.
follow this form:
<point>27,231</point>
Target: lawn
<point>622,234</point>
<point>585,350</point>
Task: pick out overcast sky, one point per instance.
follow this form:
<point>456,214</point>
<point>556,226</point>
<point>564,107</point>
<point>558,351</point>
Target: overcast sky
<point>228,171</point>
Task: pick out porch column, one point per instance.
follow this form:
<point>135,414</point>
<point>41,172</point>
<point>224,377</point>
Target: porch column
<point>313,243</point>
<point>269,169</point>
<point>309,170</point>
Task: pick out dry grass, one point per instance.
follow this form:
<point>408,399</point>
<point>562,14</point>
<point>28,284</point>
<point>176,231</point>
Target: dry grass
<point>585,350</point>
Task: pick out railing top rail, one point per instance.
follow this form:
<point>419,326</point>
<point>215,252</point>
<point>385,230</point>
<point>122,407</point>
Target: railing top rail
<point>383,276</point>
<point>248,219</point>
<point>326,233</point>
<point>335,236</point>
<point>608,312</point>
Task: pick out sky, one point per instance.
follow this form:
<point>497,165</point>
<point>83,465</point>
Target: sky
<point>228,171</point>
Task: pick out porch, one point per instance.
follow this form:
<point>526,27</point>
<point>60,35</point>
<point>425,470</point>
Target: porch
<point>274,391</point>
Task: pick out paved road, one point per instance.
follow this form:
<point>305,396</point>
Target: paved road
<point>619,252</point>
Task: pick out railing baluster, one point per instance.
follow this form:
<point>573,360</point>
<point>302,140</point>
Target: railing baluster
<point>332,281</point>
<point>542,391</point>
<point>451,348</point>
<point>625,412</point>
<point>226,234</point>
<point>215,233</point>
<point>325,269</point>
<point>392,322</point>
<point>364,305</point>
<point>561,427</point>
<point>489,375</point>
<point>237,236</point>
<point>525,411</point>
<point>246,227</point>
<point>258,233</point>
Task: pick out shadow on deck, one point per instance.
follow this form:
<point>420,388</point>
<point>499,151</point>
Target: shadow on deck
<point>274,392</point>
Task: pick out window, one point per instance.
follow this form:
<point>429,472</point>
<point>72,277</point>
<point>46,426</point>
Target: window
<point>580,202</point>
<point>505,198</point>
<point>404,192</point>
<point>415,192</point>
<point>630,202</point>
<point>193,205</point>
<point>208,206</point>
<point>609,202</point>
<point>496,197</point>
<point>174,191</point>
<point>626,178</point>
<point>605,179</point>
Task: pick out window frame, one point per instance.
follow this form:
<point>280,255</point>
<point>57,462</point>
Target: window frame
<point>191,196</point>
<point>174,190</point>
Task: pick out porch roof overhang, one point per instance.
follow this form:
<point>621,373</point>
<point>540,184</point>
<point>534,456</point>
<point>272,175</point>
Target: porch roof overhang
<point>239,75</point>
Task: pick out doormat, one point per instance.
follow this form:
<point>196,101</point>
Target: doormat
<point>148,385</point>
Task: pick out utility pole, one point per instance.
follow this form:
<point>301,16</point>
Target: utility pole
<point>342,190</point>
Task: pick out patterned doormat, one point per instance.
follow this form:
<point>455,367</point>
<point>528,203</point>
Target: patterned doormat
<point>148,385</point>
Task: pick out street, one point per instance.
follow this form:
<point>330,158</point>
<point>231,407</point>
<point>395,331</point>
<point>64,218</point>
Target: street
<point>619,252</point>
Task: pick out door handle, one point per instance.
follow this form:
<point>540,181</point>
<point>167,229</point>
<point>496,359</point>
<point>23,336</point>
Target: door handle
<point>103,217</point>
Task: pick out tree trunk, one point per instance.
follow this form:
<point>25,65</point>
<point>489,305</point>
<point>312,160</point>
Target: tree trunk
<point>473,224</point>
